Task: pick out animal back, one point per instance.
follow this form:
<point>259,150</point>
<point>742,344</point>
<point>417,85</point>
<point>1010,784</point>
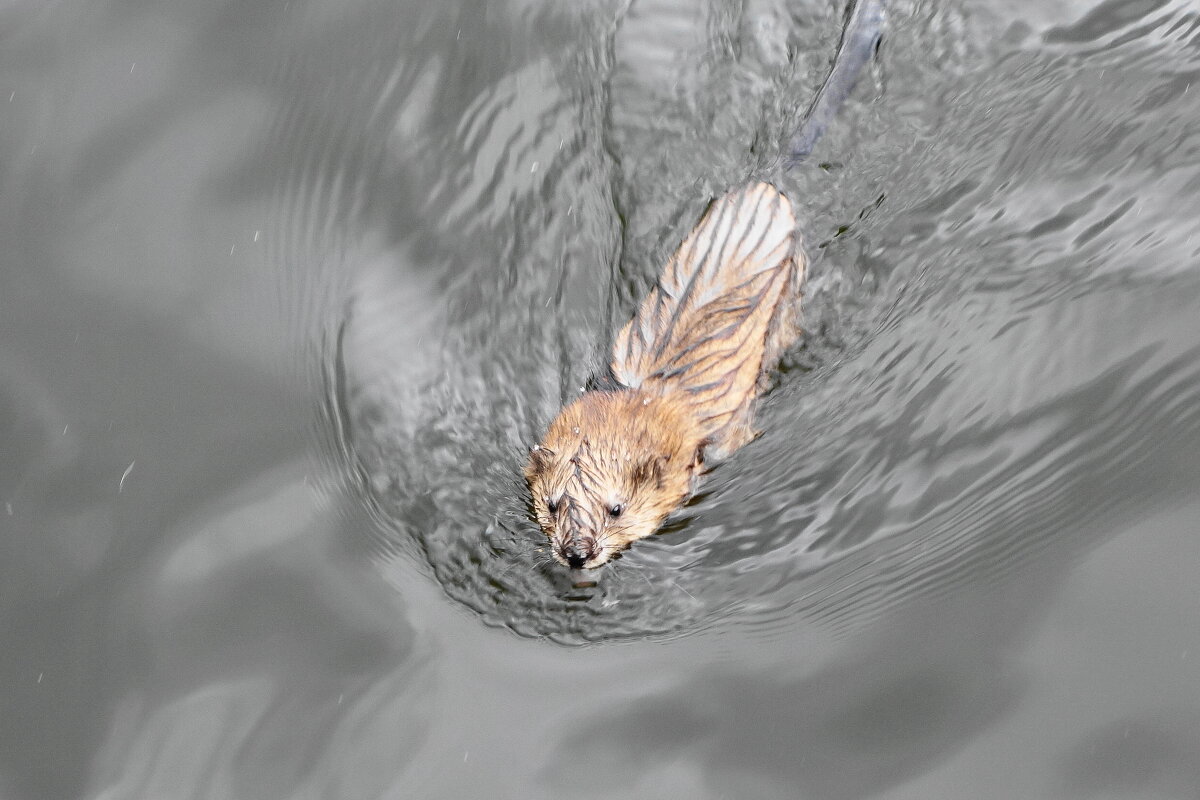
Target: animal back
<point>720,313</point>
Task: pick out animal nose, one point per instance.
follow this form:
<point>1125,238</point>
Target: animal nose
<point>576,554</point>
<point>575,557</point>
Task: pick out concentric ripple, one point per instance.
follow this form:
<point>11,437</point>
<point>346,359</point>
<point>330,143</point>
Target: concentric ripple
<point>1001,351</point>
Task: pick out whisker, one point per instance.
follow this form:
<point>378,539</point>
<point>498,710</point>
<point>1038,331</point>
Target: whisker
<point>680,588</point>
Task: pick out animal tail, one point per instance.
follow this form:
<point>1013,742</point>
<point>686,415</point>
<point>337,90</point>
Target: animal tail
<point>861,34</point>
<point>722,311</point>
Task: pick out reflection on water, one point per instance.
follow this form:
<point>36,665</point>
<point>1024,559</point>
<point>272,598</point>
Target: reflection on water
<point>289,288</point>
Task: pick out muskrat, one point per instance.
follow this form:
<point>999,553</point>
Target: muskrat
<point>684,374</point>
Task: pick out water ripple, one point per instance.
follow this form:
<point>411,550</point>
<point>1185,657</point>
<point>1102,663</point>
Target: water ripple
<point>1000,359</point>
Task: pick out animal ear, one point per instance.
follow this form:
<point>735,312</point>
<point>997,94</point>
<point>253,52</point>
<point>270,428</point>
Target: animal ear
<point>539,458</point>
<point>697,465</point>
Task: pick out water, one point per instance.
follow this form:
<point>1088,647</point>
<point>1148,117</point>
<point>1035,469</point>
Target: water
<point>289,287</point>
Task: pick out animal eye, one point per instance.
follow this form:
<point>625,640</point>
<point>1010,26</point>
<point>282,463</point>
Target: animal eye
<point>552,506</point>
<point>614,511</point>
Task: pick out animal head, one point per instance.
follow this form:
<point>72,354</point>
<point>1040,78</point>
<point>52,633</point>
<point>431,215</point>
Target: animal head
<point>610,469</point>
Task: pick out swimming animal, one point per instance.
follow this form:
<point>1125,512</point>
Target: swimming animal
<point>684,374</point>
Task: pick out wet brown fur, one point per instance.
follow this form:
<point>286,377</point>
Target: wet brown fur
<point>690,366</point>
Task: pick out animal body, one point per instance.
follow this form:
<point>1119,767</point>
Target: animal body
<point>685,373</point>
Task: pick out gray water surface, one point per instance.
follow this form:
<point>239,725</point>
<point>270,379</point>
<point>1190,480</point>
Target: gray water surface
<point>288,287</point>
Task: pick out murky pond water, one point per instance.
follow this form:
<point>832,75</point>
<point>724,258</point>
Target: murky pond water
<point>288,288</point>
